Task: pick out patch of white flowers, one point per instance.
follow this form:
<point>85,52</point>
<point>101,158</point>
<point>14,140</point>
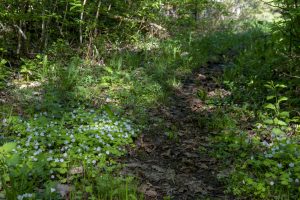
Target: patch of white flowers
<point>24,196</point>
<point>284,153</point>
<point>81,135</point>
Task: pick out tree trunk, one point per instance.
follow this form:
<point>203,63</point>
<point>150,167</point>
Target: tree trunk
<point>94,34</point>
<point>81,21</point>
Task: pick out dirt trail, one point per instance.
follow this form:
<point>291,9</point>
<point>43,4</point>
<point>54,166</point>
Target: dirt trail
<point>176,163</point>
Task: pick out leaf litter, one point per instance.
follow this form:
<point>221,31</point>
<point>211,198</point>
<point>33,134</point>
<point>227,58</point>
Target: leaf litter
<point>179,165</point>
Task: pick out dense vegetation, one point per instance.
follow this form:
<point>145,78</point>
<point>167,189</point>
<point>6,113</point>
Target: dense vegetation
<point>79,81</point>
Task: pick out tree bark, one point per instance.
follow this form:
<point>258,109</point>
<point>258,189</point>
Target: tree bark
<point>81,21</point>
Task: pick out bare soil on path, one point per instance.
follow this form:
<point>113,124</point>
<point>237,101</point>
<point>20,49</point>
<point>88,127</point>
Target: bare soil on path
<point>172,159</point>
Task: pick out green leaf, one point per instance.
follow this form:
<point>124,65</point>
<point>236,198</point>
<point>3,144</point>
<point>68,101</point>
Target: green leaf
<point>89,189</point>
<point>284,114</point>
<point>267,162</point>
<point>280,86</point>
<point>279,122</point>
<point>109,70</point>
<point>270,106</point>
<point>63,165</point>
<point>3,62</point>
<point>109,111</point>
<point>14,160</point>
<point>62,170</point>
<point>270,97</point>
<point>269,85</point>
<point>75,5</point>
<point>284,182</point>
<point>8,147</point>
<point>282,99</point>
<point>268,121</point>
<point>277,131</point>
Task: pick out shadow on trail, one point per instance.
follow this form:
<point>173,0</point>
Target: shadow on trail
<point>172,157</point>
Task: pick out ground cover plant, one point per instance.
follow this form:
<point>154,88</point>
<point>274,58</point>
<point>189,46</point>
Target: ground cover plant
<point>51,148</point>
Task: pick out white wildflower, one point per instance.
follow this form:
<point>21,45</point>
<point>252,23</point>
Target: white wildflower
<point>291,164</point>
<point>26,195</point>
<point>279,165</point>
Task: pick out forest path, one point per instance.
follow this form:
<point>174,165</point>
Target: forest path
<point>171,159</point>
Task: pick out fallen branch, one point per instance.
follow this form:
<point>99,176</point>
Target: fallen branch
<point>291,75</point>
<point>21,32</point>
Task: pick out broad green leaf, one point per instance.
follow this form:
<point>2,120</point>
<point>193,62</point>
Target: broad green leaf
<point>270,97</point>
<point>270,106</point>
<point>267,162</point>
<point>282,99</point>
<point>89,189</point>
<point>3,62</point>
<point>277,131</point>
<point>8,147</point>
<point>14,160</point>
<point>75,5</point>
<point>284,114</point>
<point>280,86</point>
<point>268,121</point>
<point>279,122</point>
<point>109,111</point>
<point>284,182</point>
<point>62,170</point>
<point>63,165</point>
<point>268,86</point>
<point>109,70</point>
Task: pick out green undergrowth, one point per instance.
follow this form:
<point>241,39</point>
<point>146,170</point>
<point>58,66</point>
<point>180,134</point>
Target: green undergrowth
<point>257,132</point>
<point>70,153</point>
<point>262,161</point>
